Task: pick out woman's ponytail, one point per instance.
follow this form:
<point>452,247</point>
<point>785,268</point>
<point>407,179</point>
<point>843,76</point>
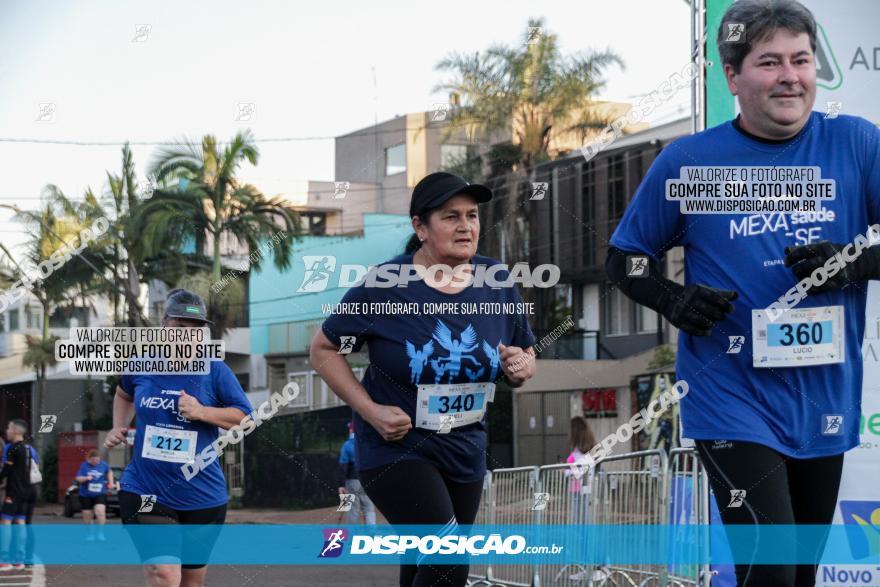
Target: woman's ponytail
<point>413,244</point>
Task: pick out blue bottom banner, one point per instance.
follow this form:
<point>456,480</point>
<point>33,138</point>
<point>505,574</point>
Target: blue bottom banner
<point>280,544</point>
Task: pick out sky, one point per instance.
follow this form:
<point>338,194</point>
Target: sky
<point>161,70</point>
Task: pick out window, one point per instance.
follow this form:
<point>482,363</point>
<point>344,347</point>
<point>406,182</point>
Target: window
<point>13,320</point>
<point>32,318</point>
<point>616,189</point>
<point>395,159</point>
<point>589,194</point>
<point>314,223</point>
<point>451,155</point>
<point>617,312</point>
<point>459,157</point>
<point>303,380</point>
<point>646,319</point>
<point>562,307</point>
<point>624,316</point>
<point>62,317</point>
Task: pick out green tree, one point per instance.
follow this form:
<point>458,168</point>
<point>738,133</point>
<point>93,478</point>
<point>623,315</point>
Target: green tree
<point>205,203</point>
<point>130,257</point>
<point>664,356</point>
<point>55,231</point>
<point>530,90</point>
<point>536,95</point>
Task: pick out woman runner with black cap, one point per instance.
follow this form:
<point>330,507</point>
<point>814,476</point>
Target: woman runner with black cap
<point>421,443</point>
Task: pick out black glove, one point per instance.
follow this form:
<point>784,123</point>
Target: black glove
<point>696,308</point>
<point>804,259</point>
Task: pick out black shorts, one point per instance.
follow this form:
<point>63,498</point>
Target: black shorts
<point>89,503</point>
<point>18,507</point>
<point>193,546</point>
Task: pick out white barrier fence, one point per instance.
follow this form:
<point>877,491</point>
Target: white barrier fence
<point>640,489</point>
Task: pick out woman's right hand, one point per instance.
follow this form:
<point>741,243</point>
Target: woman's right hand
<point>389,421</point>
<point>115,436</point>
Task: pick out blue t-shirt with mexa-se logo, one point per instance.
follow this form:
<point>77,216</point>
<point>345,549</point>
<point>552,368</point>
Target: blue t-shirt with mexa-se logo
<point>165,440</point>
<point>407,349</point>
<point>802,412</point>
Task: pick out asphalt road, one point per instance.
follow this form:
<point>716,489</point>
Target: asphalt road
<point>218,575</point>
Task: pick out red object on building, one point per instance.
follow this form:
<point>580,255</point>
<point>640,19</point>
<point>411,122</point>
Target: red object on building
<point>73,448</point>
<point>599,402</point>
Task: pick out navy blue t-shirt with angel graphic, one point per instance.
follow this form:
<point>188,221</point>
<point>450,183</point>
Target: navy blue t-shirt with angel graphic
<point>408,349</point>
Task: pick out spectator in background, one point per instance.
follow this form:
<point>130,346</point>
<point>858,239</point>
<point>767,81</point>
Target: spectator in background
<point>29,549</point>
<point>352,485</point>
<point>580,441</point>
<point>21,495</point>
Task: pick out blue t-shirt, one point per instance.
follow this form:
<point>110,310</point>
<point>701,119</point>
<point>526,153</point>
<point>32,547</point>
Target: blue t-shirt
<point>155,468</point>
<point>34,454</point>
<point>97,474</point>
<point>783,408</point>
<point>410,349</point>
<point>347,458</point>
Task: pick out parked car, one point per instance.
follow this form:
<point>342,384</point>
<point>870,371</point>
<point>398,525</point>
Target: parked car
<point>71,496</point>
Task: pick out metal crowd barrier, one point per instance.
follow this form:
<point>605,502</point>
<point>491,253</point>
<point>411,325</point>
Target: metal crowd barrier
<point>641,488</point>
<point>690,503</point>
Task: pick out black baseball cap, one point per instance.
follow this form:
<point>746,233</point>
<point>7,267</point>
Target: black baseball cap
<point>434,189</point>
<point>182,303</point>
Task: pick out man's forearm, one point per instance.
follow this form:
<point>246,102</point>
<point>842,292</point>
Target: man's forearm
<point>654,291</point>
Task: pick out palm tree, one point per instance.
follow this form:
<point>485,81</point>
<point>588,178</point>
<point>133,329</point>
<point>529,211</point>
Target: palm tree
<point>52,228</point>
<point>126,251</point>
<point>538,96</point>
<point>207,202</point>
<point>530,90</point>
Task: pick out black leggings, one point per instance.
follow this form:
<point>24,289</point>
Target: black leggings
<point>779,490</point>
<point>416,492</point>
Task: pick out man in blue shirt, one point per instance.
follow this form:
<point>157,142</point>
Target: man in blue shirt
<point>773,418</point>
<point>94,478</point>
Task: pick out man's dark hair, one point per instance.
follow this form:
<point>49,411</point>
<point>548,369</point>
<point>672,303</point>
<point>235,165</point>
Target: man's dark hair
<point>760,20</point>
<point>20,424</point>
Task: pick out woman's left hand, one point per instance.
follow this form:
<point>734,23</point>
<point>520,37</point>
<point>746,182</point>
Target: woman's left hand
<point>518,364</point>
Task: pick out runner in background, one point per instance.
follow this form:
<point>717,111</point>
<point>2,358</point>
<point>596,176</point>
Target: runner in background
<point>94,477</point>
<point>352,485</point>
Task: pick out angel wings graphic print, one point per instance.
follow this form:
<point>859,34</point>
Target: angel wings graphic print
<point>408,350</point>
<point>453,356</point>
